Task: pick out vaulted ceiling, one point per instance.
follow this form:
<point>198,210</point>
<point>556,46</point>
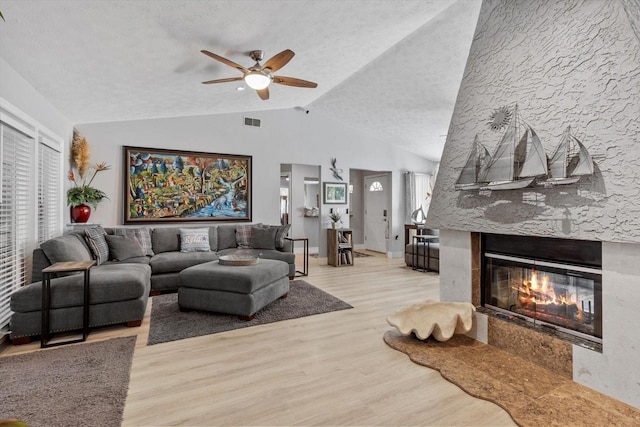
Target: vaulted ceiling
<point>390,68</point>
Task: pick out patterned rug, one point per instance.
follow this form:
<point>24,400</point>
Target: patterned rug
<point>168,323</point>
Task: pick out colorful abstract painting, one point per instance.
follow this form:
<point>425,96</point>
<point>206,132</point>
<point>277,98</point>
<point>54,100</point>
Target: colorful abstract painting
<point>169,185</point>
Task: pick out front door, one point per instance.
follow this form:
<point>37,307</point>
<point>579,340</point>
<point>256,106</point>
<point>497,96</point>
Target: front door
<point>376,212</point>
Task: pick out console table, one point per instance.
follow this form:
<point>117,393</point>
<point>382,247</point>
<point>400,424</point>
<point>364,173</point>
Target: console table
<point>47,273</point>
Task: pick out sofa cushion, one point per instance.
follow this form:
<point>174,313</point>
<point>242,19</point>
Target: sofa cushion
<point>281,233</point>
<point>143,235</point>
<point>226,237</point>
<point>165,239</point>
<point>68,247</point>
<point>98,244</point>
<point>108,283</point>
<point>122,247</point>
<point>135,260</point>
<point>263,238</point>
<point>194,240</point>
<point>243,236</point>
<point>168,239</point>
<point>171,262</point>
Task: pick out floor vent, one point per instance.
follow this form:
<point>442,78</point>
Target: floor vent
<point>248,121</point>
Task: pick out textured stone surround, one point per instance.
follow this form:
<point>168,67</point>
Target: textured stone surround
<point>571,63</point>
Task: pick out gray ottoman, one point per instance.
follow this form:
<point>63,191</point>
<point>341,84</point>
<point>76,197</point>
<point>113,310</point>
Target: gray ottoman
<point>241,290</point>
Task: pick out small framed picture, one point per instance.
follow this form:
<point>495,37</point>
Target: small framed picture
<point>335,193</point>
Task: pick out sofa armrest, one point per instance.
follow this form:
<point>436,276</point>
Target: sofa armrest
<point>39,262</point>
<point>288,244</point>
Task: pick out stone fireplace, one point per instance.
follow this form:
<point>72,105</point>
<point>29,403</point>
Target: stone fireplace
<point>609,366</point>
<point>570,64</point>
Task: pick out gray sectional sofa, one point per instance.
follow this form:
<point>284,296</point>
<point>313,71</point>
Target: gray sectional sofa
<point>133,264</point>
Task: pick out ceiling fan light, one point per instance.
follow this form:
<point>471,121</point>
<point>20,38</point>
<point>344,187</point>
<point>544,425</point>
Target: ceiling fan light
<point>257,80</point>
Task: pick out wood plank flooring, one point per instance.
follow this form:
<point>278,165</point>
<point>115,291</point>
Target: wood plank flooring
<point>328,369</point>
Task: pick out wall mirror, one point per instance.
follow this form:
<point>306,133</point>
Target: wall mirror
<point>311,196</point>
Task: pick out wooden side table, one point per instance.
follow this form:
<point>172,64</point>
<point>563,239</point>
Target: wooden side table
<point>305,254</point>
<point>63,267</point>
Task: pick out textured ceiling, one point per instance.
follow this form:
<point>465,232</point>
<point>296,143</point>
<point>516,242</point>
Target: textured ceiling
<point>390,68</point>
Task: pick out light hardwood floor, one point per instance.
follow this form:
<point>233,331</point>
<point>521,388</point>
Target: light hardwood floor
<point>328,369</point>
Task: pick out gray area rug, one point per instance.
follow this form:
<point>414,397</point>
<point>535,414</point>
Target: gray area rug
<point>168,323</point>
<point>77,385</point>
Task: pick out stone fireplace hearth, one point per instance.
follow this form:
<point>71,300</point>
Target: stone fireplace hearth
<point>610,367</point>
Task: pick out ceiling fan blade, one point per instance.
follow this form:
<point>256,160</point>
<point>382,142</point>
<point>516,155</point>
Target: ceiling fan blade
<point>280,60</point>
<point>230,79</point>
<point>263,93</point>
<point>290,81</point>
<point>224,60</point>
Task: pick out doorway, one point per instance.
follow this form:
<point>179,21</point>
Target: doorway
<point>376,212</point>
<point>303,201</point>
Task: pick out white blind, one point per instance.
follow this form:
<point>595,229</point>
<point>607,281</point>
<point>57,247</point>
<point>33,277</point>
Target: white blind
<point>49,192</point>
<point>17,178</point>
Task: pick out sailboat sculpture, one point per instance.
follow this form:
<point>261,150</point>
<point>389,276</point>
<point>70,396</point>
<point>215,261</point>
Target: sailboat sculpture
<point>569,162</point>
<point>518,159</point>
<point>474,168</point>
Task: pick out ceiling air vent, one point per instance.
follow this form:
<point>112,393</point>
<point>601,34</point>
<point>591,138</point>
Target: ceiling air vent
<point>248,121</point>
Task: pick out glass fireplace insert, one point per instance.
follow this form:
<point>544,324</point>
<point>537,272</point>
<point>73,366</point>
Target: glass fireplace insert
<point>554,293</point>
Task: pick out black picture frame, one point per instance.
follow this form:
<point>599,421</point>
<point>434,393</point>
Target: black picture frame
<point>163,186</point>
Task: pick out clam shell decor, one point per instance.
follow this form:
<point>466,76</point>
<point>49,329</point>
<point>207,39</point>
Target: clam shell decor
<point>440,319</point>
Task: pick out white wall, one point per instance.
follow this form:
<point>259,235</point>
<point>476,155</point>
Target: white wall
<point>302,226</point>
<point>286,136</point>
<point>25,97</point>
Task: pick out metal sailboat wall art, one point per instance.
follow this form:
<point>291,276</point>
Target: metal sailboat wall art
<point>520,161</point>
<point>569,162</point>
<point>474,168</point>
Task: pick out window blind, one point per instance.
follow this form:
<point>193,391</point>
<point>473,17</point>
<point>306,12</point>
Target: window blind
<point>49,191</point>
<point>15,205</point>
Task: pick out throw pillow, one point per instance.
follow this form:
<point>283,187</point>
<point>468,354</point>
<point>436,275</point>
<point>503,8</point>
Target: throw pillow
<point>281,233</point>
<point>68,247</point>
<point>243,236</point>
<point>165,239</point>
<point>263,238</point>
<point>122,247</point>
<point>143,235</point>
<point>194,240</point>
<point>97,243</point>
<point>226,237</point>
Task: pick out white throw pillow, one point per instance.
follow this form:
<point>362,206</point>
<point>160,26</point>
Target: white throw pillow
<point>194,240</point>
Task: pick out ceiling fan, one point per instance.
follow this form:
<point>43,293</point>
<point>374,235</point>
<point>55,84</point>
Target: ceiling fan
<point>259,77</point>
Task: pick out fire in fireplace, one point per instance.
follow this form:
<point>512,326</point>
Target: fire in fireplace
<point>545,282</point>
